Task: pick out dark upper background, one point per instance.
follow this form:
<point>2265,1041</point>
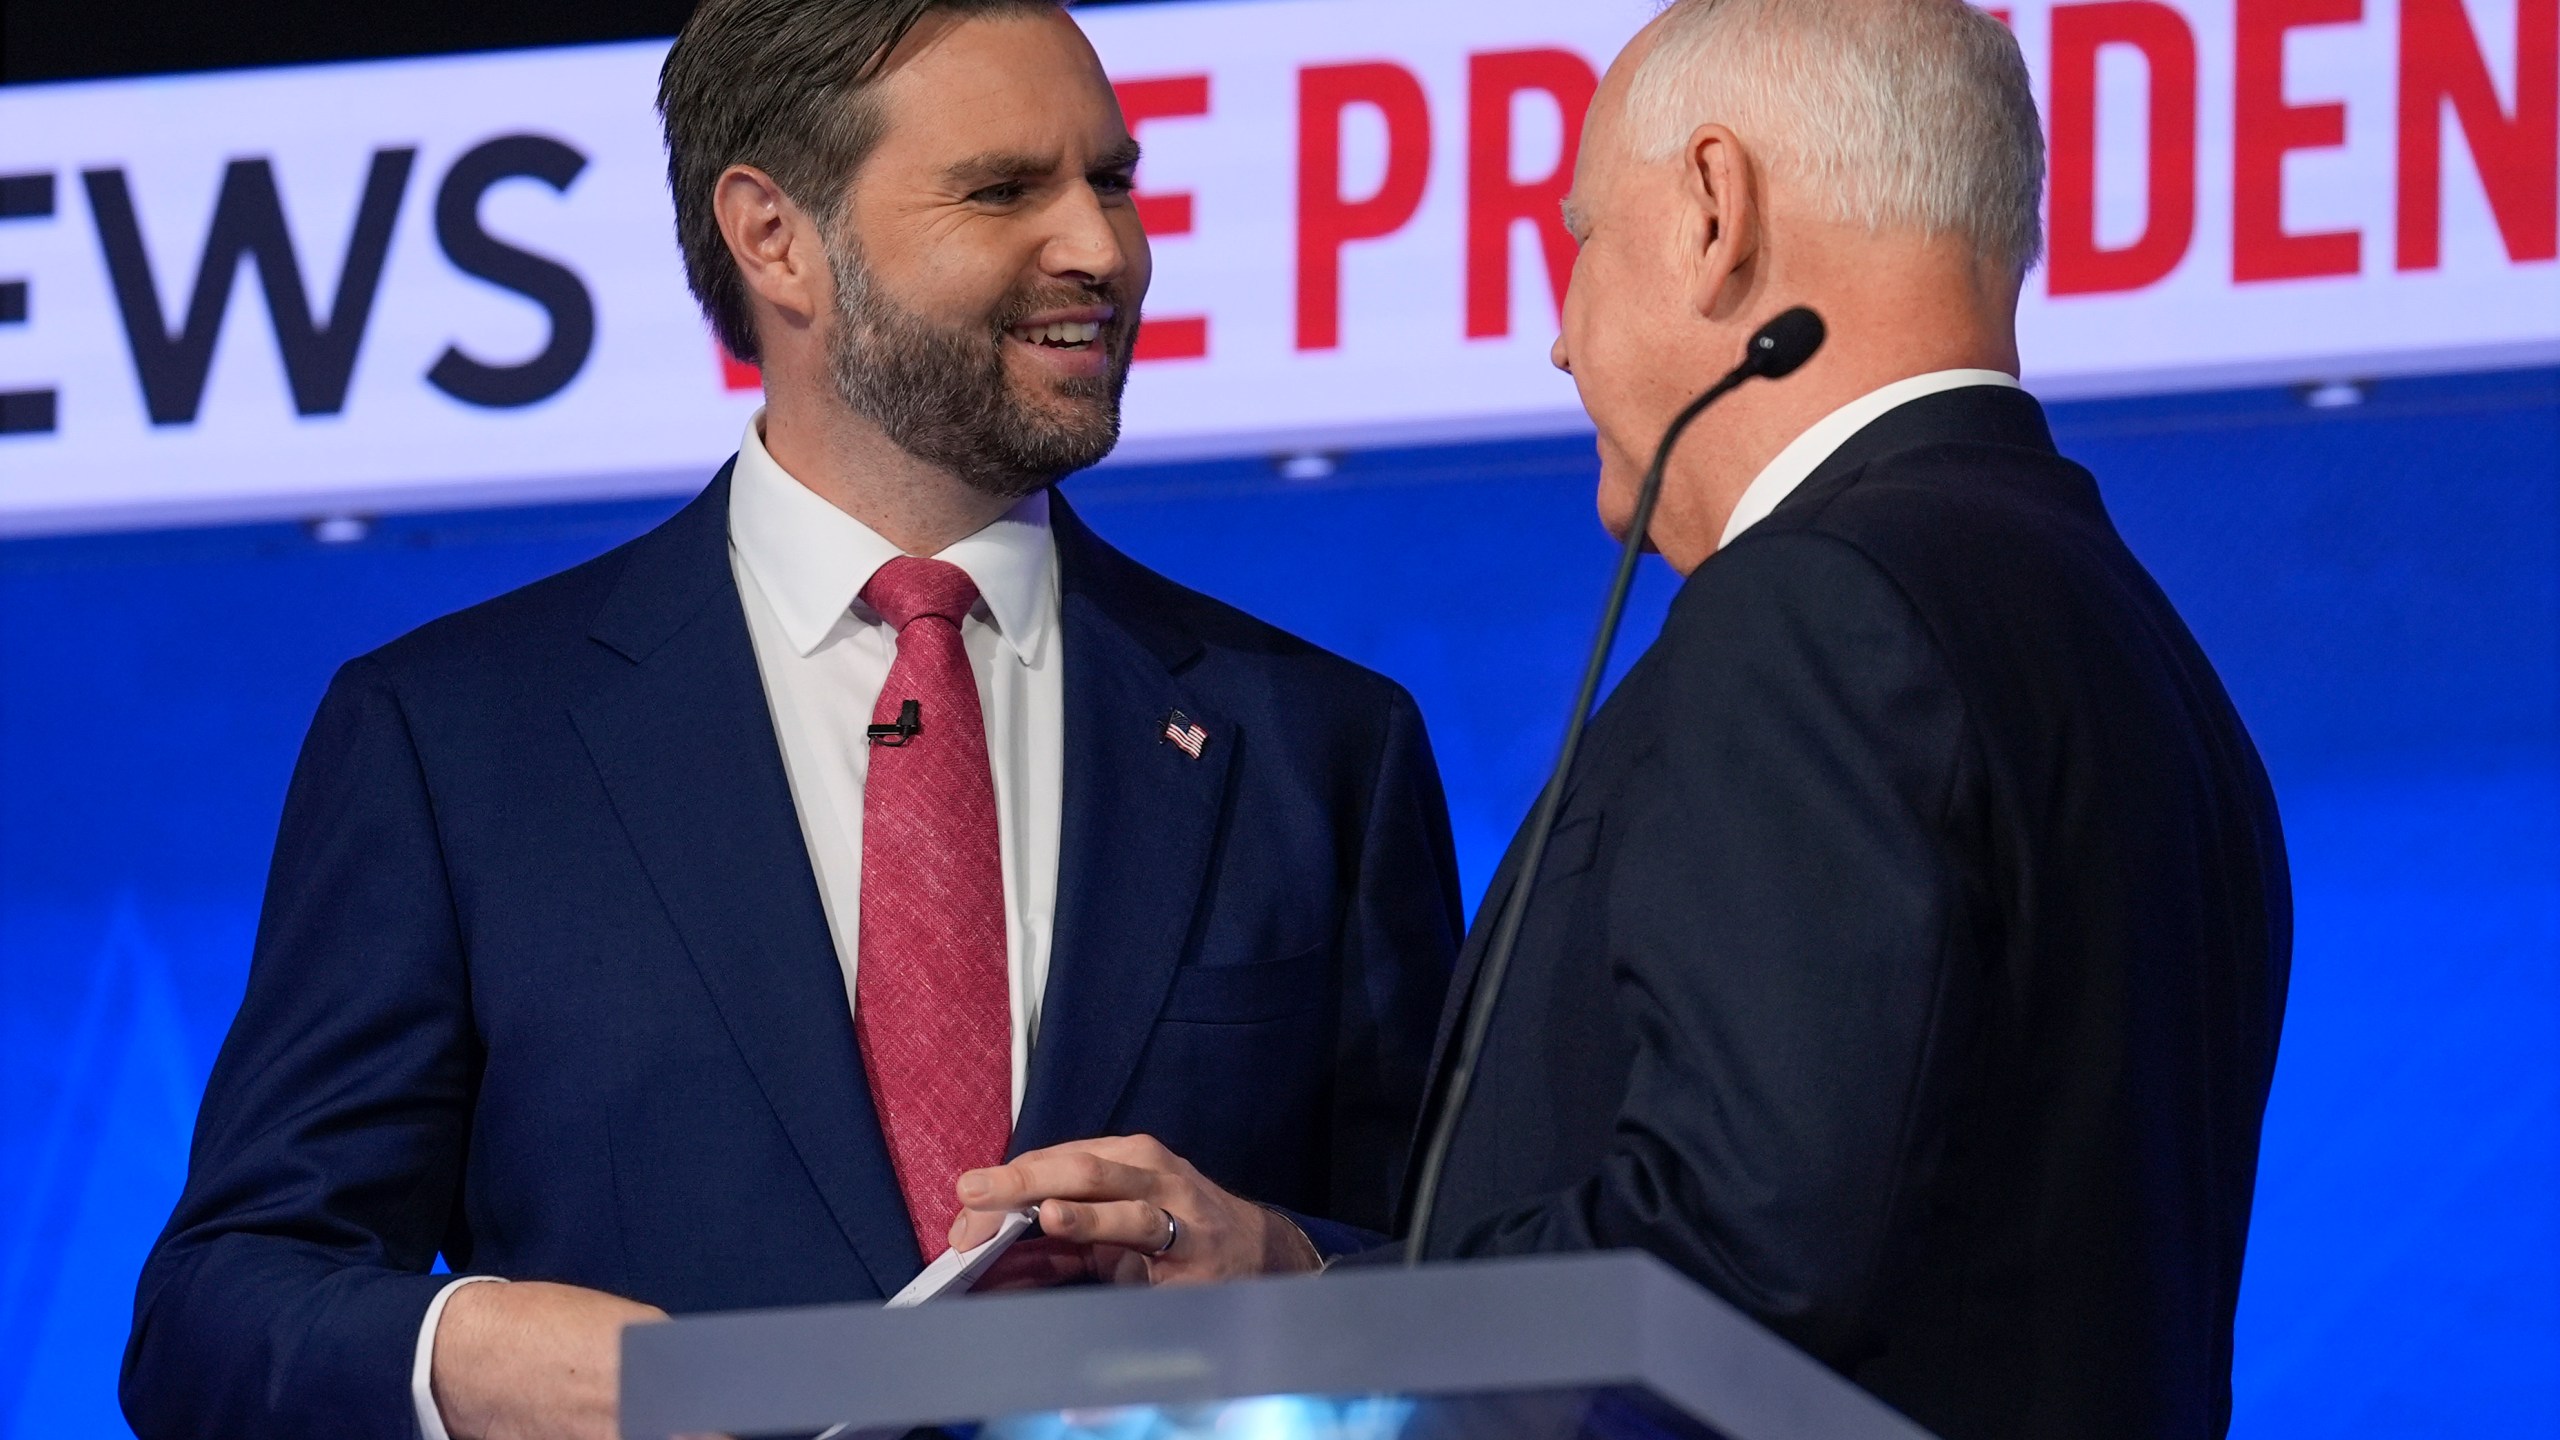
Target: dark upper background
<point>93,39</point>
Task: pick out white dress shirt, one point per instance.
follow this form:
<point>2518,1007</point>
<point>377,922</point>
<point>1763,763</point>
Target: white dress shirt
<point>1794,465</point>
<point>800,565</point>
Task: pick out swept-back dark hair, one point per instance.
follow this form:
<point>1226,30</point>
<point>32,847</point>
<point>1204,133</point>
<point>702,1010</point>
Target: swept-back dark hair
<point>777,84</point>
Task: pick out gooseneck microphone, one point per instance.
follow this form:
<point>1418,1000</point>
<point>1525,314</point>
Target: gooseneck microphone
<point>1776,350</point>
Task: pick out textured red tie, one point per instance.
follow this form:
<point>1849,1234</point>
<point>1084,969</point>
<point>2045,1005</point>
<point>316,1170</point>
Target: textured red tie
<point>932,1010</point>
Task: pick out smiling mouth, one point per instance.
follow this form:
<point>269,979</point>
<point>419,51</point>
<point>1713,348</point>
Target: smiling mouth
<point>1070,335</point>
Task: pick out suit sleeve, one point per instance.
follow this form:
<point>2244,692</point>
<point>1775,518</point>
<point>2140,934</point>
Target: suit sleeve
<point>1400,936</point>
<point>285,1297</point>
<point>1785,927</point>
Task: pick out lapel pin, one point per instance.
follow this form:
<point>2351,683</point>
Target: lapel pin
<point>1180,731</point>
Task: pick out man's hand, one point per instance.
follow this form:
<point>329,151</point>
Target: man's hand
<point>531,1361</point>
<point>1104,1208</point>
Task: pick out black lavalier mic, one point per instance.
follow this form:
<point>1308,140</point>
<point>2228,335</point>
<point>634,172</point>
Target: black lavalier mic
<point>896,734</point>
<point>1774,351</point>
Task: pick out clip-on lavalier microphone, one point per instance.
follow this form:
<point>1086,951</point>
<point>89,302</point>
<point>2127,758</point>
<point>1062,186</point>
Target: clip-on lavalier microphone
<point>909,724</point>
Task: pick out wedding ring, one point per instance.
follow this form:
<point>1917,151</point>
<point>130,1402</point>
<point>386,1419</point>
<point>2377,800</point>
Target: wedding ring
<point>1172,1235</point>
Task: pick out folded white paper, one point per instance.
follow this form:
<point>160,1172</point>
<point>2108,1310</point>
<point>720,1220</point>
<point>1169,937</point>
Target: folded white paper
<point>957,1270</point>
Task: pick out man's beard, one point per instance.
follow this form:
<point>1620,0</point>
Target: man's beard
<point>942,394</point>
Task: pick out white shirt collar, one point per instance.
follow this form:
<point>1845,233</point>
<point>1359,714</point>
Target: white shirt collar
<point>1794,465</point>
<point>812,559</point>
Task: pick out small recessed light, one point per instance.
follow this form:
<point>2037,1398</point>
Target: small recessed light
<point>2334,394</point>
<point>340,529</point>
<point>1307,465</point>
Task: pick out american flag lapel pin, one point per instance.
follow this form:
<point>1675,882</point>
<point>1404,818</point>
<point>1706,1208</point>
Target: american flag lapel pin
<point>1179,730</point>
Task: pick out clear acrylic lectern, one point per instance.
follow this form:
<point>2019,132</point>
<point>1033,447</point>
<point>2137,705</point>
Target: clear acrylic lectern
<point>1612,1347</point>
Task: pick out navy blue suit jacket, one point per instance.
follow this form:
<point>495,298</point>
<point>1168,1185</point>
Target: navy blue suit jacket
<point>543,983</point>
<point>1908,962</point>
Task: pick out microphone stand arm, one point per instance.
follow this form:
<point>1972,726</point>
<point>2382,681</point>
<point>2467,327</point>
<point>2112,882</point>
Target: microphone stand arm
<point>1542,821</point>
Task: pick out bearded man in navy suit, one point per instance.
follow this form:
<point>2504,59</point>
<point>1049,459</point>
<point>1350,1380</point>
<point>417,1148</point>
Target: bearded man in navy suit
<point>671,935</point>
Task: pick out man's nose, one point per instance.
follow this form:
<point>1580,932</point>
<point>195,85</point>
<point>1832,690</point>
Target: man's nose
<point>1559,357</point>
<point>1085,243</point>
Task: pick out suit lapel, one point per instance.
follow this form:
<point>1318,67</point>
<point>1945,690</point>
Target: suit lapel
<point>1462,985</point>
<point>686,749</point>
<point>1462,979</point>
<point>1139,825</point>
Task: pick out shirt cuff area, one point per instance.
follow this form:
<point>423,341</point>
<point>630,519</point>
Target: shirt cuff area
<point>422,1370</point>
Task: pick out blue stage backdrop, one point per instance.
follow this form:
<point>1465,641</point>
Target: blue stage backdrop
<point>2380,584</point>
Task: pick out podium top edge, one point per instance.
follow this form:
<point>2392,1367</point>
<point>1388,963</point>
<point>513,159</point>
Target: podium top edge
<point>1609,1320</point>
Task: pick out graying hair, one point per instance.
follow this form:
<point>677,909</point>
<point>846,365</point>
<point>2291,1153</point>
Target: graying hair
<point>1894,114</point>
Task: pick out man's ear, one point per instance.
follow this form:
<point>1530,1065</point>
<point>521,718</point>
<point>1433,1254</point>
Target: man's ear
<point>1718,180</point>
<point>779,252</point>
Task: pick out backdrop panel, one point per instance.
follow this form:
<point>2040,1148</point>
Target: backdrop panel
<point>452,281</point>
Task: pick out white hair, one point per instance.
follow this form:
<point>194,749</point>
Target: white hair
<point>1894,114</point>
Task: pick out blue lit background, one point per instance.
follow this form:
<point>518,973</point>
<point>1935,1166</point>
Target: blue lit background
<point>1263,1417</point>
<point>2380,584</point>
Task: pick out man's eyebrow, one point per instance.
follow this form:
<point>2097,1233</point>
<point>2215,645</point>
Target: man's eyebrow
<point>1573,220</point>
<point>1001,165</point>
<point>998,166</point>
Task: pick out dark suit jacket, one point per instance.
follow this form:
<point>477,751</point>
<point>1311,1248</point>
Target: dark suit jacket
<point>543,983</point>
<point>1908,961</point>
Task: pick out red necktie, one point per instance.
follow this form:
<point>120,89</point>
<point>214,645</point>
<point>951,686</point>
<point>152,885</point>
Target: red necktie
<point>932,1009</point>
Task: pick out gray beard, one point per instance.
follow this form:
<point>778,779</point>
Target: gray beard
<point>941,393</point>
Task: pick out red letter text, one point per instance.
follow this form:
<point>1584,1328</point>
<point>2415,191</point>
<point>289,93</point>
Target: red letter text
<point>2518,156</point>
<point>2078,266</point>
<point>1329,220</point>
<point>1177,97</point>
<point>2266,129</point>
<point>1496,202</point>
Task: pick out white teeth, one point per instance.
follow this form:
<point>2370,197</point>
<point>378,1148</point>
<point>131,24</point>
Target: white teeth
<point>1063,333</point>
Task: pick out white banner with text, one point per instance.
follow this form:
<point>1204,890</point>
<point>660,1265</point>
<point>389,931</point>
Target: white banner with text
<point>453,281</point>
